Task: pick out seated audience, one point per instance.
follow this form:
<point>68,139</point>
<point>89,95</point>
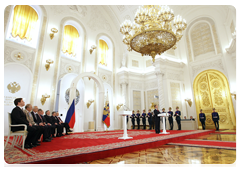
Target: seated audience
<point>18,117</point>
<point>57,124</point>
<point>47,130</point>
<point>27,111</point>
<point>191,118</point>
<point>48,119</point>
<point>67,128</point>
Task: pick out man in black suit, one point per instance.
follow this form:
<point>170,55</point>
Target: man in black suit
<point>67,128</point>
<point>157,119</point>
<point>18,117</point>
<point>46,129</point>
<point>48,119</point>
<point>58,125</point>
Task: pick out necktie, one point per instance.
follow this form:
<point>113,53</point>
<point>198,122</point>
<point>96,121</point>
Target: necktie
<point>40,117</point>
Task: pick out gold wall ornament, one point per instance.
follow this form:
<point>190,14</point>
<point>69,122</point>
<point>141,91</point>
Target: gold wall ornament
<point>189,101</point>
<point>54,30</point>
<point>89,103</point>
<point>154,30</point>
<point>69,69</point>
<point>43,99</point>
<point>48,62</point>
<point>217,95</point>
<point>93,47</point>
<point>235,94</point>
<point>13,87</point>
<point>119,106</point>
<point>152,106</point>
<point>18,56</point>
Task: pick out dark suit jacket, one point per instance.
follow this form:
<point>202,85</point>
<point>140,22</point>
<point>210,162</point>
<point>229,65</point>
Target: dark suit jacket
<point>18,117</point>
<point>54,120</point>
<point>48,119</point>
<point>156,112</point>
<point>39,120</point>
<point>33,115</point>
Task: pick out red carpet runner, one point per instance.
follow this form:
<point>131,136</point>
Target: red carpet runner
<point>88,146</point>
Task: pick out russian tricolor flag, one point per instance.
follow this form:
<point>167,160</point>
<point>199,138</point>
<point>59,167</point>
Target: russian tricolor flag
<point>70,118</point>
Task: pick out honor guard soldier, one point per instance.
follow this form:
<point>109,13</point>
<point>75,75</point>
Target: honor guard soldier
<point>202,119</point>
<point>215,118</point>
<point>157,119</point>
<point>149,115</point>
<point>144,119</point>
<point>178,118</point>
<point>170,118</point>
<point>138,119</point>
<point>133,119</point>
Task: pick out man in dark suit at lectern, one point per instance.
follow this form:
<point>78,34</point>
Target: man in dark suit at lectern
<point>18,117</point>
<point>157,119</point>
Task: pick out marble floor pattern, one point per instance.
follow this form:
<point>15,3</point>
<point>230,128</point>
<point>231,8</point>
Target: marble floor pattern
<point>173,156</point>
<point>218,137</point>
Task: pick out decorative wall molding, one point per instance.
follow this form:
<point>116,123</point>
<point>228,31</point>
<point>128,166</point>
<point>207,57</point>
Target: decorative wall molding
<point>206,65</point>
<point>11,49</point>
<point>68,66</point>
<point>105,76</point>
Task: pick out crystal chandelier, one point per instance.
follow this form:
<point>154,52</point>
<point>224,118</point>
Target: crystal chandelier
<point>154,30</point>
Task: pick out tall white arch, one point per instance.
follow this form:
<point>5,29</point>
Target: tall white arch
<point>100,103</point>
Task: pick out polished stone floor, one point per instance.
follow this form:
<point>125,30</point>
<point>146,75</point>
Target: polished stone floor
<point>219,137</point>
<point>172,154</point>
<point>176,156</point>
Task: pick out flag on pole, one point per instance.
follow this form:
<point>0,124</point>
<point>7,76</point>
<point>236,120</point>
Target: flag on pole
<point>106,113</point>
<point>70,118</point>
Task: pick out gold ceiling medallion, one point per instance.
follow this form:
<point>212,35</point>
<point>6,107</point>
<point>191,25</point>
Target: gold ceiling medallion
<point>18,56</point>
<point>152,31</point>
<point>69,69</point>
<point>13,87</point>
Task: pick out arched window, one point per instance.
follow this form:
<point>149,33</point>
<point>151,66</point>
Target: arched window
<point>103,52</point>
<point>24,22</point>
<point>201,38</point>
<point>24,25</point>
<point>70,40</point>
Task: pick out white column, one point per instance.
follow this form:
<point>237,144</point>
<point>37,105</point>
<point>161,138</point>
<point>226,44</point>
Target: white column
<point>159,75</point>
<point>124,92</point>
<point>100,125</point>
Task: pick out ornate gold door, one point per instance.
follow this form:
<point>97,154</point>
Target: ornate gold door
<point>211,90</point>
